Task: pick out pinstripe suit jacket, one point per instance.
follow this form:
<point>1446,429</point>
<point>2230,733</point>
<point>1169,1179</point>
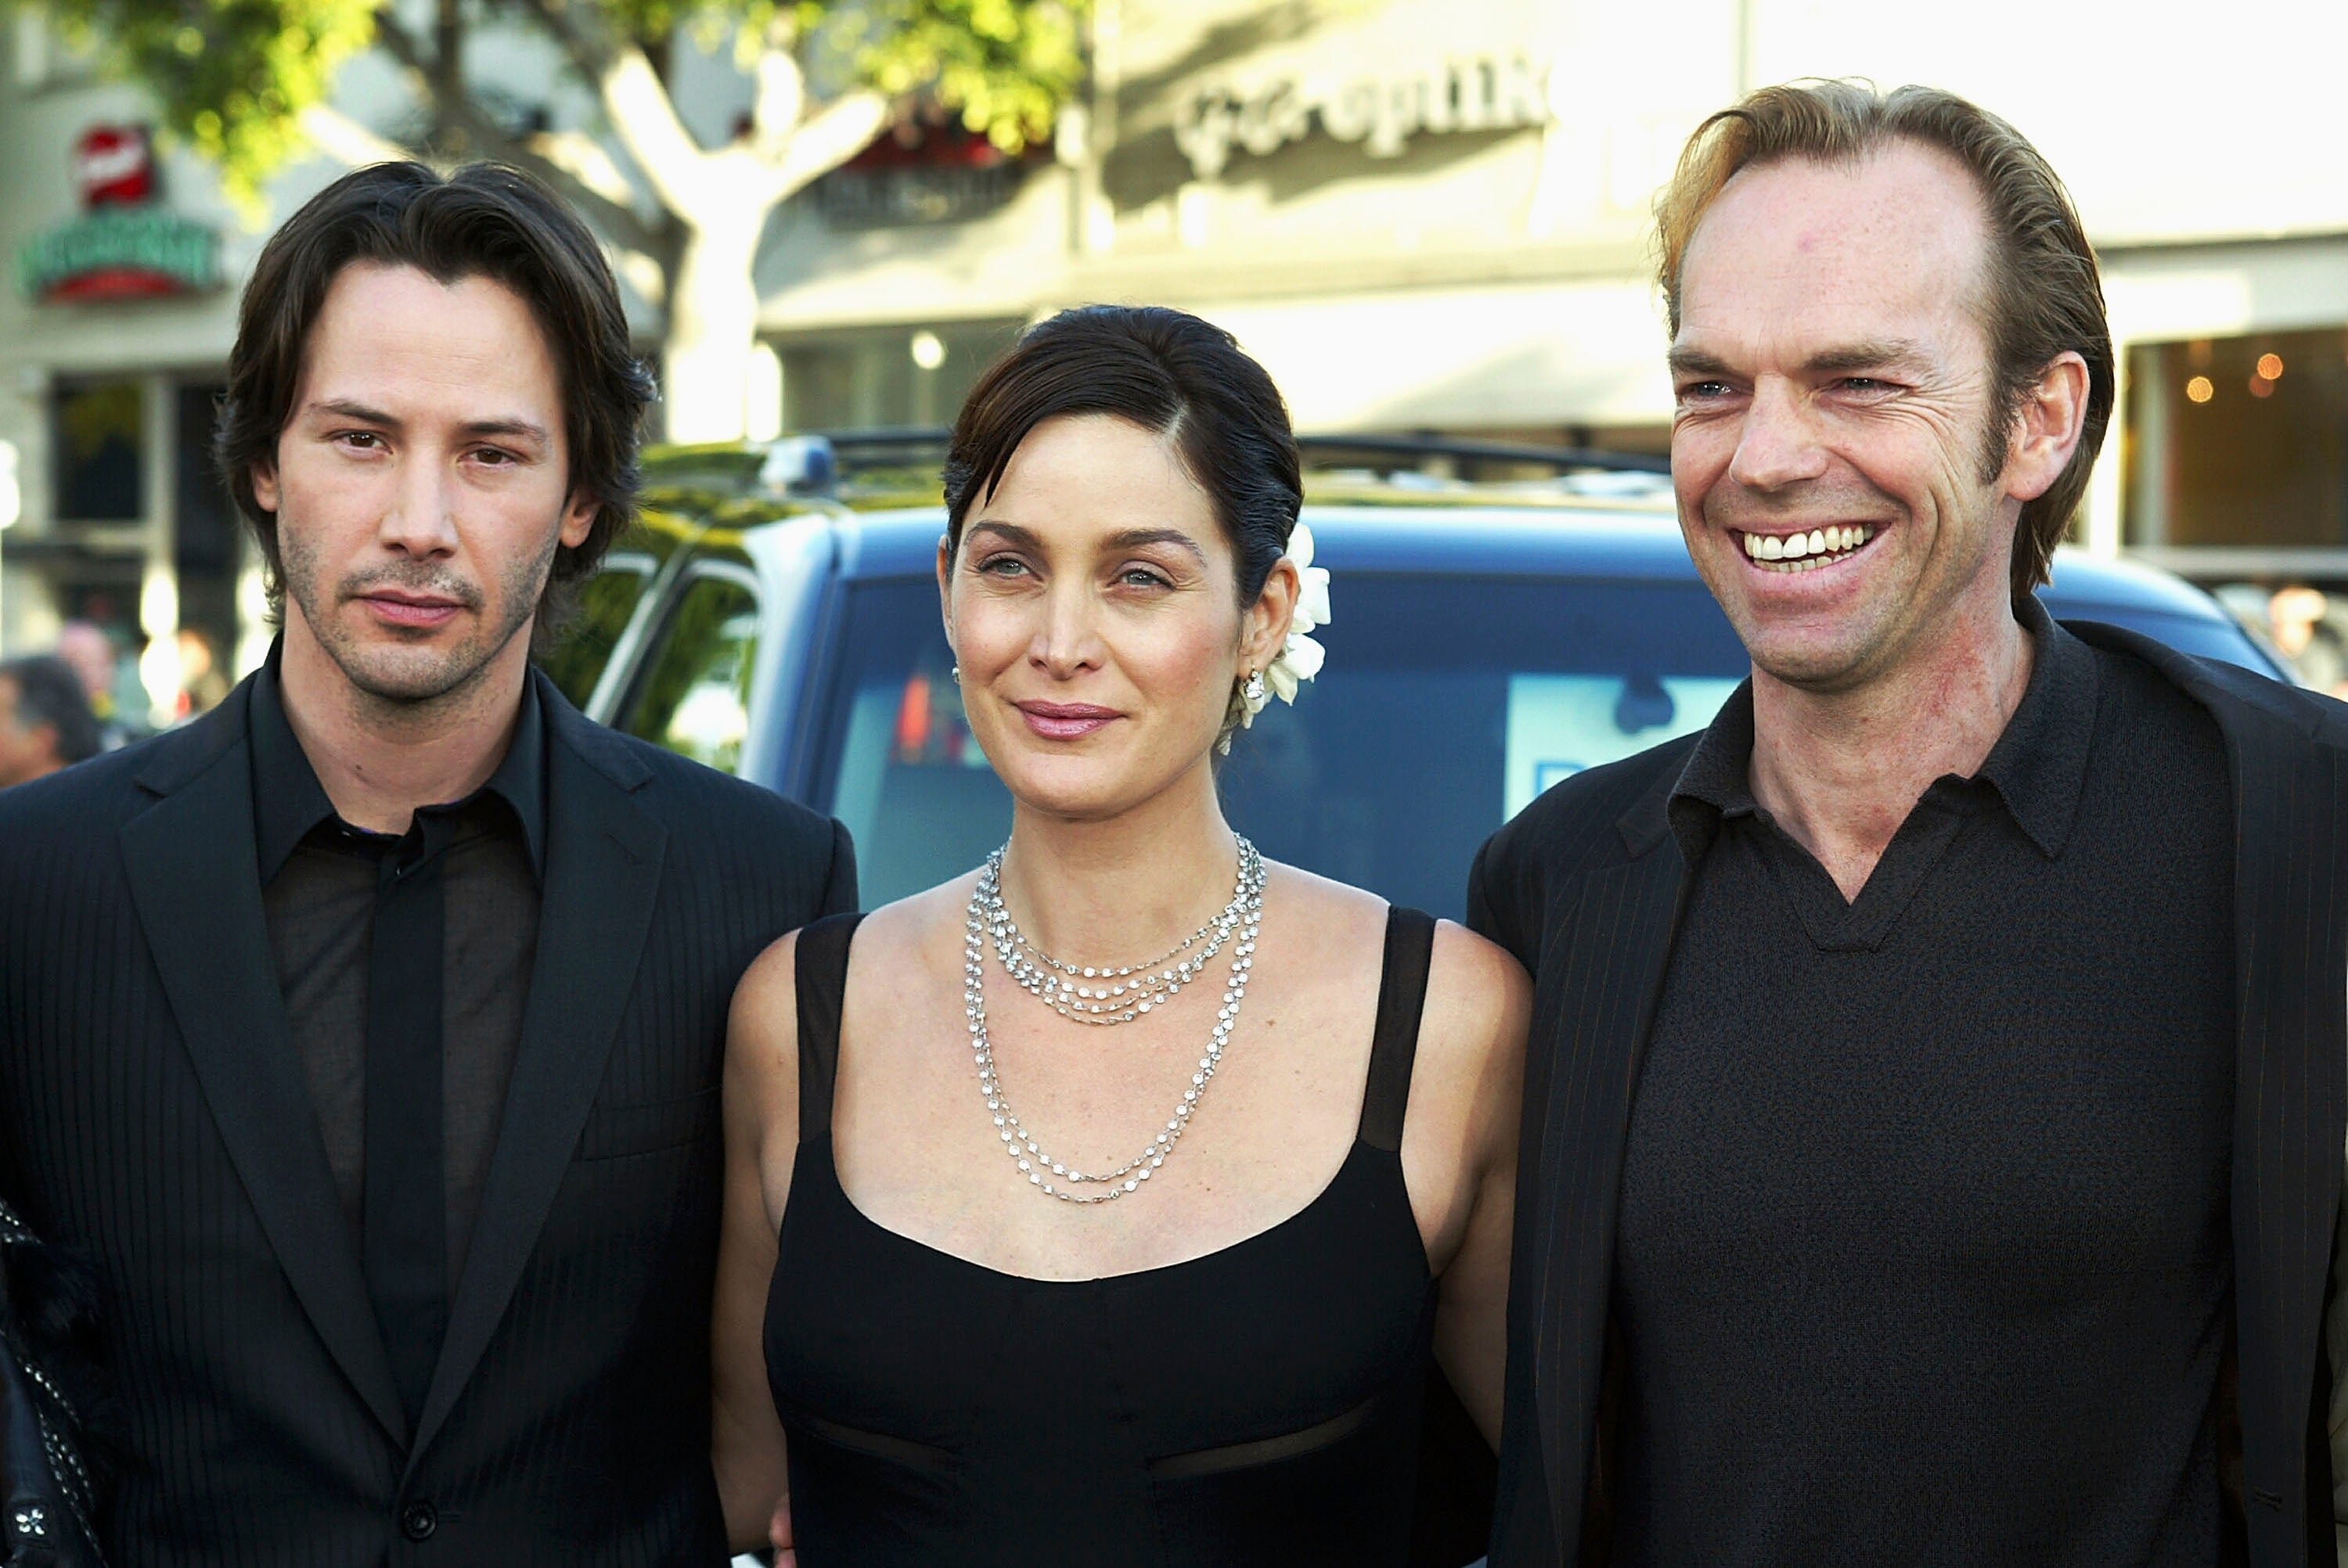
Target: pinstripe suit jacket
<point>1585,887</point>
<point>153,1113</point>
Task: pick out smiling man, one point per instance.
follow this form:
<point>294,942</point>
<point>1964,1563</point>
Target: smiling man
<point>1934,1113</point>
<point>367,1031</point>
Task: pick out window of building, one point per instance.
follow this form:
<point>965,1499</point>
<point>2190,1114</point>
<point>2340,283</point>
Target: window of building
<point>888,375</point>
<point>2238,441</point>
<point>100,429</point>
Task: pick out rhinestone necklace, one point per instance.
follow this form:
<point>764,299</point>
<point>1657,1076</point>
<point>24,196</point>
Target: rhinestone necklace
<point>1050,1177</point>
<point>1102,994</point>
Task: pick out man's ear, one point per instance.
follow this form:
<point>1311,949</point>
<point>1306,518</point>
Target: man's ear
<point>264,486</point>
<point>2049,423</point>
<point>579,520</point>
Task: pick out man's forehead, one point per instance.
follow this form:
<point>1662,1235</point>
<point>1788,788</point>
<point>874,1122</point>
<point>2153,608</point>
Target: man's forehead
<point>470,337</point>
<point>1801,245</point>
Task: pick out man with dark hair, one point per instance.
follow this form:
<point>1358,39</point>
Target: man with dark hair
<point>1935,1102</point>
<point>367,1031</point>
<point>45,721</point>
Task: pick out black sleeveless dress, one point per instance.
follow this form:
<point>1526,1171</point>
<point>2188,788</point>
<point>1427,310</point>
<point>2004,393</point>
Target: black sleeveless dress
<point>1258,1405</point>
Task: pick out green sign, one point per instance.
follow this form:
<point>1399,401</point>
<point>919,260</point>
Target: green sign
<point>118,253</point>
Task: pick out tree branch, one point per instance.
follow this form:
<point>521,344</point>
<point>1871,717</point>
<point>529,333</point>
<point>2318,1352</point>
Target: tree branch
<point>834,134</point>
<point>782,99</point>
<point>638,105</point>
<point>673,162</point>
<point>346,140</point>
<point>585,45</point>
<point>611,214</point>
<point>584,159</point>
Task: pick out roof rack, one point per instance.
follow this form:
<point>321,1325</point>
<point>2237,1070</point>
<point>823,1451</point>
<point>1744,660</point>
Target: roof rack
<point>1419,450</point>
<point>885,459</point>
<point>897,443</point>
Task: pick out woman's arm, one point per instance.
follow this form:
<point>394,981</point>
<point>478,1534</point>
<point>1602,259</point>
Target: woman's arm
<point>1470,1072</point>
<point>761,1140</point>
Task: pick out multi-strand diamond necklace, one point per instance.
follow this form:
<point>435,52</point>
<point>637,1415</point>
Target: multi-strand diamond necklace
<point>1119,998</point>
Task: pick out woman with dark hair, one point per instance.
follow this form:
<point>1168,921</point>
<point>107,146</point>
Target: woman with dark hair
<point>1108,1203</point>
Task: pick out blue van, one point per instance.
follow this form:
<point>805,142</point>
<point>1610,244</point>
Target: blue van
<point>1488,641</point>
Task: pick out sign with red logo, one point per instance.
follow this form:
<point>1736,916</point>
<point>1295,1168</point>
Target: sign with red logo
<point>125,245</point>
<point>115,166</point>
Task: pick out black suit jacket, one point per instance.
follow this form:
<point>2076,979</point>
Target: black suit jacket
<point>154,1114</point>
<point>1586,887</point>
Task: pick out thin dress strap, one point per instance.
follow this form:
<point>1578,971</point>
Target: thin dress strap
<point>820,962</point>
<point>1402,997</point>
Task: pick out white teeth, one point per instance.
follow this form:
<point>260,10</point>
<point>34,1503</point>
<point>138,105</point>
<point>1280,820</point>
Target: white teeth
<point>1806,552</point>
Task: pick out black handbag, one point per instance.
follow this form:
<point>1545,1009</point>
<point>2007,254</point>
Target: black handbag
<point>47,1494</point>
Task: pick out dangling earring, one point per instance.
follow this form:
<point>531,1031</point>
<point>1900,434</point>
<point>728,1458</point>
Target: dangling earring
<point>956,673</point>
<point>1253,691</point>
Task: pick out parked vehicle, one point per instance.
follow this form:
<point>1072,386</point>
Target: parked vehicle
<point>1489,640</point>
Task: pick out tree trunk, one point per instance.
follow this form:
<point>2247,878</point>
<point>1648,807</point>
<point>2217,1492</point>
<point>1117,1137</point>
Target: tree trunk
<point>712,323</point>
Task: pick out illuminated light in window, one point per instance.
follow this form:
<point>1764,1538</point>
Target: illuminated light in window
<point>2199,389</point>
<point>2270,367</point>
<point>2261,387</point>
<point>928,349</point>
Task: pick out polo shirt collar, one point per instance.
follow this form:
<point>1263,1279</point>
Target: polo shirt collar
<point>288,801</point>
<point>2038,767</point>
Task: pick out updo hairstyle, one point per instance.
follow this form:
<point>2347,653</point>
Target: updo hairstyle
<point>1167,372</point>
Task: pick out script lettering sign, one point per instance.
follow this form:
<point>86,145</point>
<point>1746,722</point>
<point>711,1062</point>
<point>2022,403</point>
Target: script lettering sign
<point>1480,93</point>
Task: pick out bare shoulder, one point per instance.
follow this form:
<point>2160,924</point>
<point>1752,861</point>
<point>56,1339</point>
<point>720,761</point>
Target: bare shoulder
<point>1466,1086</point>
<point>1479,1003</point>
<point>913,924</point>
<point>1335,915</point>
<point>762,1036</point>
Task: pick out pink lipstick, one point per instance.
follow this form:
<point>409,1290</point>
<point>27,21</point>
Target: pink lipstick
<point>1065,721</point>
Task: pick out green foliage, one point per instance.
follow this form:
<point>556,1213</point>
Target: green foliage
<point>1007,64</point>
<point>232,77</point>
<point>229,77</point>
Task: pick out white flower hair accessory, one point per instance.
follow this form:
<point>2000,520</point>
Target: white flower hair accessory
<point>1300,657</point>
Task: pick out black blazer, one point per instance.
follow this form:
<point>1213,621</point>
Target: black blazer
<point>154,1114</point>
<point>1585,887</point>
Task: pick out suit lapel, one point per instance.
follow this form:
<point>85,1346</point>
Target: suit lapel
<point>2290,776</point>
<point>193,868</point>
<point>603,857</point>
<point>2291,1104</point>
<point>1600,980</point>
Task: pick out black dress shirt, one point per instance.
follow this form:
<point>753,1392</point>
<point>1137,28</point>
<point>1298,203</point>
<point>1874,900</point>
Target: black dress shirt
<point>321,880</point>
<point>1924,1253</point>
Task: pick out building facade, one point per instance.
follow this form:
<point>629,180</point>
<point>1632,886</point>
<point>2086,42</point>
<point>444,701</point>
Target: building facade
<point>1422,215</point>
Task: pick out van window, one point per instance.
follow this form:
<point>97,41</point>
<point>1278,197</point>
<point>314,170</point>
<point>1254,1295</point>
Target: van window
<point>694,694</point>
<point>606,602</point>
<point>1446,704</point>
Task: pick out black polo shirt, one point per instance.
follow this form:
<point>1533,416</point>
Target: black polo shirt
<point>321,879</point>
<point>1924,1253</point>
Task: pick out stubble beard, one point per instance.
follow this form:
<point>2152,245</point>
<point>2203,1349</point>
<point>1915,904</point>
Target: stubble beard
<point>407,677</point>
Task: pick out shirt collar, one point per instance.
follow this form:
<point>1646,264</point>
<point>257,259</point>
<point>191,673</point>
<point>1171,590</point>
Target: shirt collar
<point>289,801</point>
<point>2038,767</point>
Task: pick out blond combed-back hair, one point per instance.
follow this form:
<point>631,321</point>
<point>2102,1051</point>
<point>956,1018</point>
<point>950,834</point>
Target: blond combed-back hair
<point>2044,296</point>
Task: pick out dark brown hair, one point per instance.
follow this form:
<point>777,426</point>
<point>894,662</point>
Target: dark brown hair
<point>2044,298</point>
<point>1170,374</point>
<point>484,220</point>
